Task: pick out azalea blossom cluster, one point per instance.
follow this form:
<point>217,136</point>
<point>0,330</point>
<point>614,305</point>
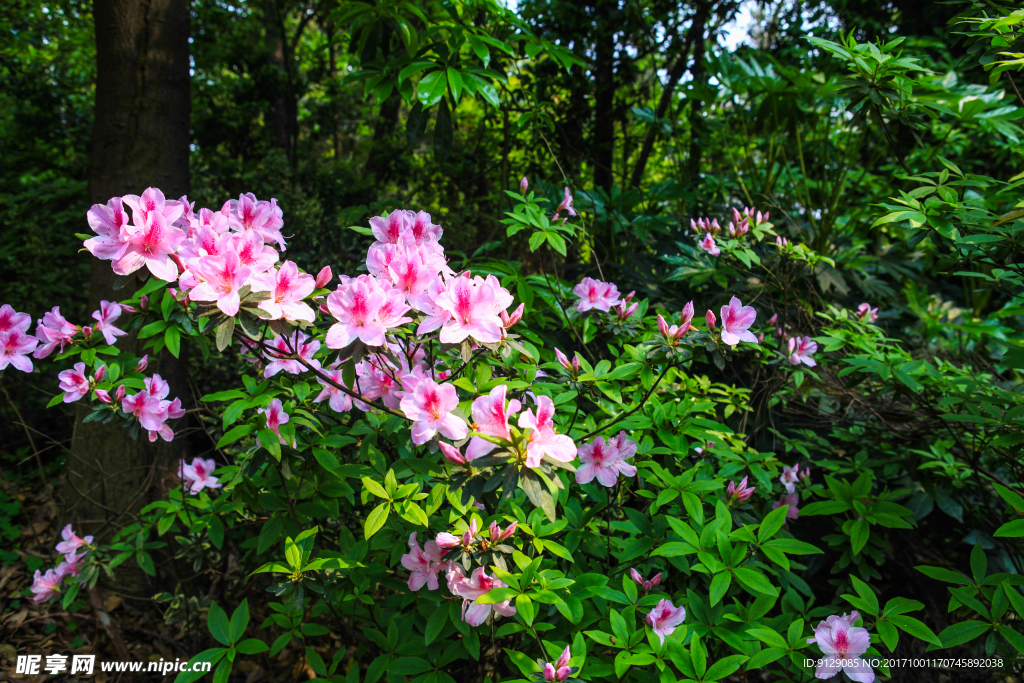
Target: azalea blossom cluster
<point>425,563</point>
<point>53,332</point>
<point>707,229</point>
<point>843,645</point>
<point>791,476</point>
<point>801,349</point>
<point>47,585</point>
<point>606,460</point>
<point>198,475</point>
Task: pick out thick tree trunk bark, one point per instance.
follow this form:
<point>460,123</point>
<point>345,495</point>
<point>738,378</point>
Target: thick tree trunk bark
<point>140,139</point>
<point>604,96</point>
<point>283,108</point>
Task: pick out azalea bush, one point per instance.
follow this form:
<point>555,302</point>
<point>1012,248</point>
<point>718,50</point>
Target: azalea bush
<point>467,469</point>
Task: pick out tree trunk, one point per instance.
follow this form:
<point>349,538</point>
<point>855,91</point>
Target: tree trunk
<point>140,139</point>
<point>604,96</point>
<point>283,108</point>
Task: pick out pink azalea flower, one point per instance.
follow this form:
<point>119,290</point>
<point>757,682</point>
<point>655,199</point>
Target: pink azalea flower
<point>275,418</point>
<point>543,441</point>
<point>566,205</point>
<point>11,320</point>
<point>430,406</point>
<point>46,586</point>
<point>410,275</point>
<point>355,306</point>
<point>339,401</point>
<point>595,295</point>
<point>508,321</point>
<point>423,564</point>
<point>222,277</point>
<point>152,200</point>
<point>710,319</point>
<point>801,350</point>
<point>790,475</point>
<point>287,287</point>
<point>74,383</point>
<point>252,252</point>
<point>142,364</point>
<point>490,415</point>
<point>865,312</point>
<point>108,222</point>
<point>72,564</point>
<point>447,540</point>
<point>674,333</point>
<point>559,670</point>
<point>150,242</point>
<point>471,588</point>
<point>427,302</point>
<point>151,413</point>
<point>843,645</point>
<point>664,619</point>
<point>625,445</point>
<point>14,349</point>
<point>573,367</point>
<point>742,492</point>
<point>708,245</point>
<point>736,318</point>
<point>603,461</point>
<point>105,317</point>
<point>790,499</point>
<point>389,229</point>
<point>71,542</point>
<point>200,474</point>
<point>248,213</point>
<point>644,584</point>
<point>298,344</point>
<point>378,378</point>
<point>392,310</point>
<point>474,305</point>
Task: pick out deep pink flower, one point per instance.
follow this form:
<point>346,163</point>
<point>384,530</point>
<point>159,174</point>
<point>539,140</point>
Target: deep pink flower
<point>275,418</point>
<point>471,588</point>
<point>423,564</point>
<point>200,474</point>
<point>11,320</point>
<point>409,274</point>
<point>451,453</point>
<point>490,415</point>
<point>222,277</point>
<point>865,312</point>
<point>71,542</point>
<point>790,499</point>
<point>299,344</point>
<point>736,318</point>
<point>14,349</point>
<point>324,277</point>
<point>151,413</point>
<point>248,213</point>
<point>708,245</point>
<point>430,406</point>
<point>801,350</point>
<point>559,671</point>
<point>287,287</point>
<point>46,586</point>
<point>74,383</point>
<point>596,295</point>
<point>150,242</point>
<point>389,229</point>
<point>644,584</point>
<point>740,492</point>
<point>843,645</point>
<point>664,619</point>
<point>355,306</point>
<point>339,401</point>
<point>427,302</point>
<point>474,305</point>
<point>602,460</point>
<point>542,440</point>
<point>105,317</point>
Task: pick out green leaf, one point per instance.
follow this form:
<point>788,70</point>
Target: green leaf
<point>859,535</point>
<point>172,338</point>
<point>1014,529</point>
<point>375,520</point>
<point>719,587</point>
<point>523,662</point>
<point>252,646</point>
<point>235,434</point>
<point>724,667</point>
<point>239,622</point>
<point>961,633</point>
<point>217,621</point>
<point>942,574</point>
<point>915,628</point>
<point>754,581</point>
<point>771,524</point>
<point>431,88</point>
<point>443,133</point>
<point>434,626</point>
<point>455,83</point>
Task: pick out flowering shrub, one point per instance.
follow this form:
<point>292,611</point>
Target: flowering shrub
<point>410,458</point>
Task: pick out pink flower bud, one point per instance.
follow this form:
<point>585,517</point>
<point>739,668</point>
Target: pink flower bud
<point>509,530</point>
<point>99,374</point>
<point>144,302</point>
<point>576,363</point>
<point>635,575</point>
<point>447,540</point>
<point>629,297</point>
<point>324,309</point>
<point>452,453</point>
<point>563,360</point>
<point>766,214</point>
<point>710,318</point>
<point>495,531</point>
<point>323,277</point>
<point>715,227</point>
<point>119,394</point>
<point>760,338</point>
<point>143,364</point>
<point>759,218</point>
<point>694,226</point>
<point>549,672</point>
<point>662,326</point>
<point>774,319</point>
<point>173,291</point>
<point>103,396</point>
<point>656,580</point>
<point>524,185</point>
<point>87,331</point>
<point>563,659</point>
<point>128,309</point>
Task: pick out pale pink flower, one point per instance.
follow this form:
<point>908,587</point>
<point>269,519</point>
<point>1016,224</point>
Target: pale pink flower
<point>252,252</point>
<point>248,213</point>
<point>566,205</point>
<point>474,305</point>
<point>843,645</point>
<point>430,406</point>
<point>542,440</point>
<point>287,287</point>
<point>71,542</point>
<point>791,500</point>
<point>151,413</point>
<point>108,222</point>
<point>490,415</point>
<point>297,344</point>
<point>393,309</point>
<point>339,401</point>
<point>423,230</point>
<point>222,277</point>
<point>11,320</point>
<point>559,670</point>
<point>74,383</point>
<point>105,317</point>
<point>625,445</point>
<point>409,273</point>
<point>150,242</point>
<point>644,584</point>
<point>664,618</point>
<point>71,565</point>
<point>14,349</point>
<point>389,229</point>
<point>471,588</point>
<point>423,564</point>
<point>595,295</point>
<point>801,350</point>
<point>355,306</point>
<point>789,478</point>
<point>736,318</point>
<point>276,417</point>
<point>603,461</point>
<point>740,492</point>
<point>200,474</point>
<point>46,586</point>
<point>152,200</point>
<point>708,245</point>
<point>865,312</point>
<point>427,302</point>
